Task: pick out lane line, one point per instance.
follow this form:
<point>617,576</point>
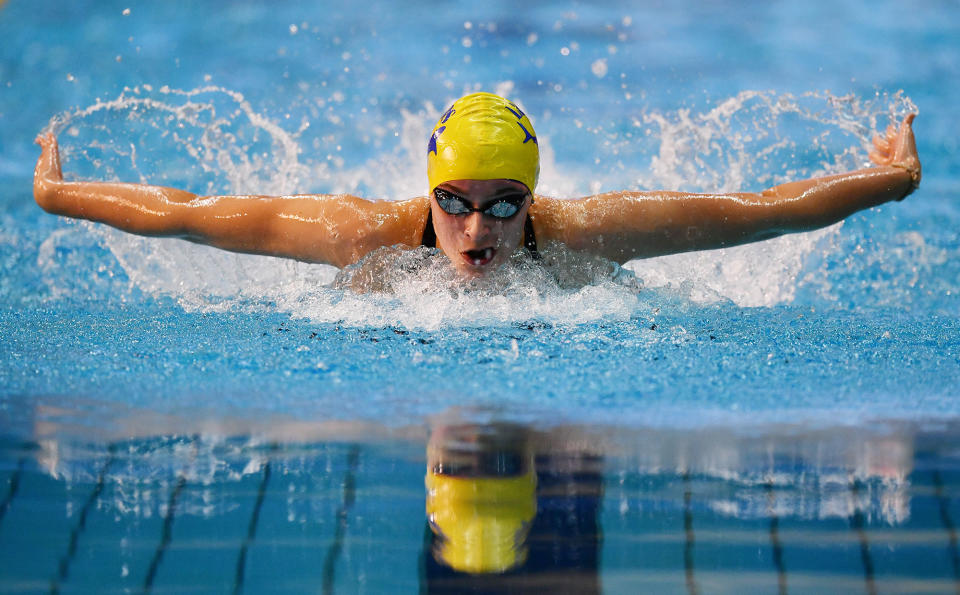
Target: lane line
<point>857,524</point>
<point>63,570</point>
<point>349,497</point>
<point>251,530</point>
<point>167,533</point>
<point>14,486</point>
<point>689,537</point>
<point>775,540</point>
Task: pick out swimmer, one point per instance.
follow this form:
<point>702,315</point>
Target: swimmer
<point>483,163</point>
<point>511,509</point>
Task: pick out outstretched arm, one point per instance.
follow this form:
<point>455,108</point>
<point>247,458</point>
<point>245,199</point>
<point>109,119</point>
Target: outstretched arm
<point>336,230</point>
<point>627,225</point>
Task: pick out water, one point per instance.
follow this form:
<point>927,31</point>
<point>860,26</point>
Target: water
<point>775,417</point>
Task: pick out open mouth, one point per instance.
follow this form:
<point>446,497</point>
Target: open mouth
<point>479,258</point>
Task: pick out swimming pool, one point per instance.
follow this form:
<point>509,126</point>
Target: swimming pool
<point>774,417</point>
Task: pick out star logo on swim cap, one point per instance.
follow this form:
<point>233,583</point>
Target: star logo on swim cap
<point>476,139</point>
<point>529,136</point>
<point>516,111</point>
<point>432,145</point>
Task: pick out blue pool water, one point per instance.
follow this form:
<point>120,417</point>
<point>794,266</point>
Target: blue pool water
<point>775,417</point>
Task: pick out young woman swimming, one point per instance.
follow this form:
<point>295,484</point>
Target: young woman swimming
<point>483,163</point>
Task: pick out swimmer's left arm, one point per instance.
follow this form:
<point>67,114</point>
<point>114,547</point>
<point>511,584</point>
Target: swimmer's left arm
<point>626,225</point>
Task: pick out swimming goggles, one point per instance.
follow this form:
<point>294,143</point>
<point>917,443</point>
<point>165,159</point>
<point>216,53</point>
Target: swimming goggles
<point>503,207</point>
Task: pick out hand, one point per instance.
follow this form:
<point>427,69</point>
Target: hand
<point>897,148</point>
<point>48,166</point>
<point>47,175</point>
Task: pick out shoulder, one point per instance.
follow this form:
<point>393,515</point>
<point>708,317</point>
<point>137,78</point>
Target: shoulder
<point>559,219</point>
<point>371,205</point>
<point>401,221</point>
<point>420,204</point>
<point>410,214</point>
<point>361,226</point>
<point>581,222</point>
<point>547,215</point>
<point>391,213</point>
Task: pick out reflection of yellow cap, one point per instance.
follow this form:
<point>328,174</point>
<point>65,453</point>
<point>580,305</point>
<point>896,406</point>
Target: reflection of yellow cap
<point>482,522</point>
<point>483,137</point>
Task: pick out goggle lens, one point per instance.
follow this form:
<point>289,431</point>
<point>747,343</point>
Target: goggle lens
<point>503,207</point>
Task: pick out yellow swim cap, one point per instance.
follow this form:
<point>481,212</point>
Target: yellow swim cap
<point>481,522</point>
<point>483,137</point>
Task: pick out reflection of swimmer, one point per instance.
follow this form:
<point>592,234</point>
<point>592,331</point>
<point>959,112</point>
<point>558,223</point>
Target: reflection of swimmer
<point>481,497</point>
<point>483,165</point>
<point>508,515</point>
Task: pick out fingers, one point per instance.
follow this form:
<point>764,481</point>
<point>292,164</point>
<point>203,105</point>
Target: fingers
<point>898,148</point>
<point>888,136</point>
<point>906,129</point>
<point>881,149</point>
<point>882,144</point>
<point>904,132</point>
<point>895,146</point>
<point>905,152</point>
<point>904,142</point>
<point>46,139</point>
<point>48,164</point>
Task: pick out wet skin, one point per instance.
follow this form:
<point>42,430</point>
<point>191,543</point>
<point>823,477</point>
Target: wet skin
<point>341,229</point>
<point>477,243</point>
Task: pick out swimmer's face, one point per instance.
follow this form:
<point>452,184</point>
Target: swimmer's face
<point>477,242</point>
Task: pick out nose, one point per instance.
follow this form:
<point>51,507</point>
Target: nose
<point>475,226</point>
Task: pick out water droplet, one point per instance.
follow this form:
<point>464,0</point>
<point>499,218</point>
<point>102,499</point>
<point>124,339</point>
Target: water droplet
<point>599,68</point>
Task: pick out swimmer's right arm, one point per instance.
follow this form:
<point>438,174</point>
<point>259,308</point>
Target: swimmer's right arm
<point>336,230</point>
